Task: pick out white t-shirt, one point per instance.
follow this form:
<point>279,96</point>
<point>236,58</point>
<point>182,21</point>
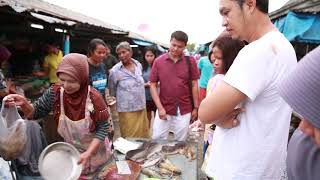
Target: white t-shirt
<point>256,149</point>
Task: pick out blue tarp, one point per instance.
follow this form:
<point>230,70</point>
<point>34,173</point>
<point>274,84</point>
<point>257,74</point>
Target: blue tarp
<point>142,43</point>
<point>300,27</point>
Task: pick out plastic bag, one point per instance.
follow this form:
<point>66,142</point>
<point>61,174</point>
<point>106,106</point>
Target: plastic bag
<point>4,170</point>
<point>12,133</point>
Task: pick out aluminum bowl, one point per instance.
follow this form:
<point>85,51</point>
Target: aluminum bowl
<point>58,161</point>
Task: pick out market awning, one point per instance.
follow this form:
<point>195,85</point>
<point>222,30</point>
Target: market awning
<point>52,19</point>
<point>300,27</point>
<point>47,12</point>
<point>139,37</point>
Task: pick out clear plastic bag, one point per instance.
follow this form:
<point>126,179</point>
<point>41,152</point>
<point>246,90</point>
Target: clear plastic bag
<point>12,133</point>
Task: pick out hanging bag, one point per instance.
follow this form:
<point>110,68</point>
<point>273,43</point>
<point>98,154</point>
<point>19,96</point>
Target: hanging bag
<point>12,133</point>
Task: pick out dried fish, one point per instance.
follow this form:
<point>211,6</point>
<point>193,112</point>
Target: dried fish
<point>166,172</point>
<point>151,172</point>
<point>166,164</point>
<point>190,154</point>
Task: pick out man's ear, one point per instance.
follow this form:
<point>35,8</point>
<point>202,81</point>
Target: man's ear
<point>252,4</point>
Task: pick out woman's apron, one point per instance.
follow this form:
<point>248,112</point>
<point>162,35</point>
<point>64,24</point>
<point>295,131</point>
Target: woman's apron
<point>78,134</point>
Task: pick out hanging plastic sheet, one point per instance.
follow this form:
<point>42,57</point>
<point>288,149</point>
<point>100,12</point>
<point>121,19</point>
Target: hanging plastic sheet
<point>300,27</point>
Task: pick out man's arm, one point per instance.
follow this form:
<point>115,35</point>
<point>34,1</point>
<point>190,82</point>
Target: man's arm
<point>112,84</point>
<point>156,100</point>
<point>221,103</point>
<point>195,96</point>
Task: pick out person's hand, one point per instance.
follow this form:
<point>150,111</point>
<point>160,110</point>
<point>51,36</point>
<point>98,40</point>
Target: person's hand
<point>308,129</point>
<point>197,126</point>
<point>194,114</point>
<point>162,114</point>
<point>84,158</point>
<point>39,74</point>
<point>230,120</point>
<point>147,84</point>
<point>14,99</point>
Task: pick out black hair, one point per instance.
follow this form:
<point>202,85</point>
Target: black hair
<point>52,42</point>
<point>144,62</point>
<point>209,56</point>
<point>93,45</point>
<point>262,5</point>
<point>180,36</point>
<point>229,48</point>
<point>202,53</point>
<point>108,46</point>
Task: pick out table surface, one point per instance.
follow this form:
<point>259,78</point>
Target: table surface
<point>188,168</point>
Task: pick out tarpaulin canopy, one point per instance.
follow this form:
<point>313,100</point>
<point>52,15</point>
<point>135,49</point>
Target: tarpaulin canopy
<point>300,27</point>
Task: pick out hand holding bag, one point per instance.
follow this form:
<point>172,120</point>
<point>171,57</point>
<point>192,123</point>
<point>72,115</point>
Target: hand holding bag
<point>12,133</point>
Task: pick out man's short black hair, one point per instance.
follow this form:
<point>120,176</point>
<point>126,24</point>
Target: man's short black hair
<point>262,5</point>
<point>180,36</point>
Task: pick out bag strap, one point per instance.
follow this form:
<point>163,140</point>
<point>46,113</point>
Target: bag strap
<point>190,80</point>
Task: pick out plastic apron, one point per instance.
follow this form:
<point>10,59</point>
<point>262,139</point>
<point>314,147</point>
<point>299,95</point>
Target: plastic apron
<point>78,134</point>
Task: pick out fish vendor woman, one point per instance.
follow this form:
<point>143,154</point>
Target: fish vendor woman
<point>79,110</point>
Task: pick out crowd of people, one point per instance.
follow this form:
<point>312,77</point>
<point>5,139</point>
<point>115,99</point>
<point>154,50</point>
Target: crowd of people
<point>249,83</point>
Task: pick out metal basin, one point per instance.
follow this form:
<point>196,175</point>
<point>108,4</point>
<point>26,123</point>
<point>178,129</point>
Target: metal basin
<point>58,161</point>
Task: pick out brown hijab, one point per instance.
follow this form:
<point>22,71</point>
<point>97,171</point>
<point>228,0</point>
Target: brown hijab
<point>76,66</point>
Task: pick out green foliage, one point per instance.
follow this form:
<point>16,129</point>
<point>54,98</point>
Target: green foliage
<point>191,47</point>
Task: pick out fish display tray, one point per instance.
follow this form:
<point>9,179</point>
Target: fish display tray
<point>188,168</point>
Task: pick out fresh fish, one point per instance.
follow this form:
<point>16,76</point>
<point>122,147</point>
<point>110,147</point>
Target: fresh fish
<point>145,152</point>
<point>173,149</point>
<point>166,164</point>
<point>179,148</point>
<point>137,155</point>
<point>153,160</point>
<point>154,149</point>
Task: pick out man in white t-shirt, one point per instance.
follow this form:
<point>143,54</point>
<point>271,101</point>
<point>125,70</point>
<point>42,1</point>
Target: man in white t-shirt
<point>250,142</point>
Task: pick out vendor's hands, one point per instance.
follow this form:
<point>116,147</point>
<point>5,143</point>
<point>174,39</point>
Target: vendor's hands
<point>162,114</point>
<point>84,158</point>
<point>230,120</point>
<point>14,99</point>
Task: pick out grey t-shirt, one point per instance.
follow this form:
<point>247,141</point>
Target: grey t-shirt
<point>303,161</point>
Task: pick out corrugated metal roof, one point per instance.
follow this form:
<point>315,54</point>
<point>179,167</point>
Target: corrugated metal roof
<point>55,14</point>
<point>52,19</point>
<point>304,6</point>
<point>39,6</point>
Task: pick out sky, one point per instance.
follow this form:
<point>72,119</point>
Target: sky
<point>156,20</point>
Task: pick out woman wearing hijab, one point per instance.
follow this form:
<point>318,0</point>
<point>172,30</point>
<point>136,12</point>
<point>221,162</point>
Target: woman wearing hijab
<point>127,85</point>
<point>79,110</point>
